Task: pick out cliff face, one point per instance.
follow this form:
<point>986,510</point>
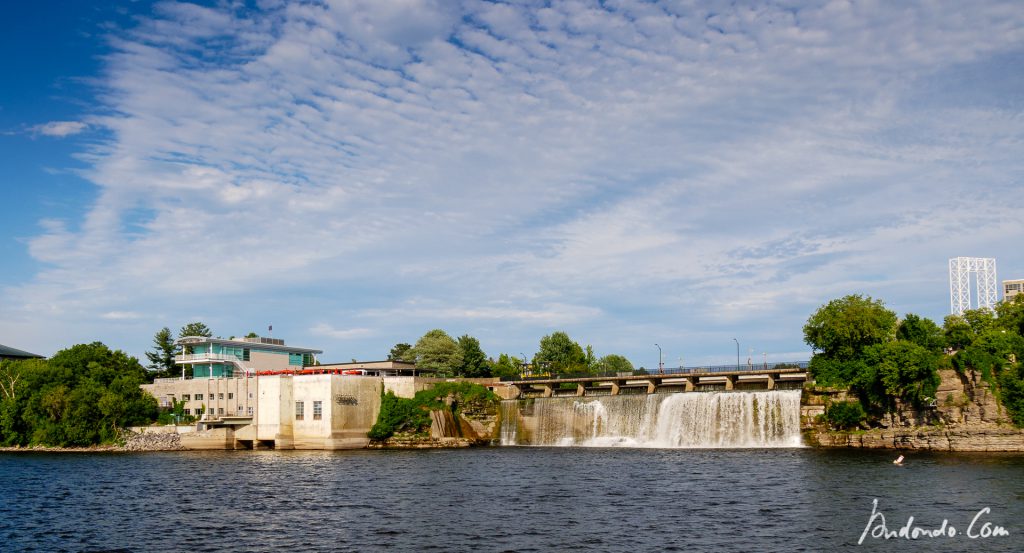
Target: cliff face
<point>473,424</point>
<point>966,417</point>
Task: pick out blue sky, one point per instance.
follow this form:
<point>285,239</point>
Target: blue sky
<point>357,172</point>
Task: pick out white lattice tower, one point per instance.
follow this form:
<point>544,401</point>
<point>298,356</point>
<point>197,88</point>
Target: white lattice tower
<point>988,293</point>
<point>960,269</point>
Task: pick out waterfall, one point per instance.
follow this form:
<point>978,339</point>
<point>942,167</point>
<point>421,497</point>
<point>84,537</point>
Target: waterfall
<point>509,422</point>
<point>677,420</point>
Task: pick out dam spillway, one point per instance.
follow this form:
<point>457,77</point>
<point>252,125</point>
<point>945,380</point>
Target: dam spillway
<point>761,419</point>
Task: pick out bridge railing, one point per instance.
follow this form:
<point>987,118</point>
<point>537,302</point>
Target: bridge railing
<point>752,368</point>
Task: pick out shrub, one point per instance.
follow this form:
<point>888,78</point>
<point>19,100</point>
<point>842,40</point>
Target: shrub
<point>1011,392</point>
<point>845,414</point>
<point>413,415</point>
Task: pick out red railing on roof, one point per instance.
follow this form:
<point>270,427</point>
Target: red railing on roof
<point>310,371</point>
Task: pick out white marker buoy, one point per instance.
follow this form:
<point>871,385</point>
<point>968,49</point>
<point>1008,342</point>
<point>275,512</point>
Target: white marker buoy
<point>898,461</point>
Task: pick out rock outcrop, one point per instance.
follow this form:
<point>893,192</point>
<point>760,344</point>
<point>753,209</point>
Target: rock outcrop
<point>151,441</point>
<point>966,416</point>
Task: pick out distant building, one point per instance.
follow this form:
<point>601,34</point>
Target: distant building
<point>1011,288</point>
<point>7,352</point>
<point>374,368</point>
<point>259,393</point>
<point>217,358</point>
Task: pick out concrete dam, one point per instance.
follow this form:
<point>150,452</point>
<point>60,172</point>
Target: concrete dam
<point>726,419</point>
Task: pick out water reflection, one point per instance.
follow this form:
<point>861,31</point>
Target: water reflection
<point>497,499</point>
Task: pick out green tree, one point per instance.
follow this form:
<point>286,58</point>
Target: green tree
<point>1011,392</point>
<point>980,319</point>
<point>957,331</point>
<point>507,367</point>
<point>990,353</point>
<point>195,329</point>
<point>903,370</point>
<point>80,396</point>
<point>589,359</point>
<point>474,360</point>
<point>161,359</point>
<point>844,327</point>
<point>437,351</point>
<point>561,355</point>
<point>921,331</point>
<point>845,414</point>
<point>192,329</point>
<point>251,335</point>
<point>1010,315</point>
<point>613,364</point>
<point>400,352</point>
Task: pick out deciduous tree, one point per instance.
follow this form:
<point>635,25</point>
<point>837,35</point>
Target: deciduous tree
<point>921,331</point>
<point>844,327</point>
<point>474,360</point>
<point>613,364</point>
<point>437,351</point>
<point>561,354</point>
<point>400,352</point>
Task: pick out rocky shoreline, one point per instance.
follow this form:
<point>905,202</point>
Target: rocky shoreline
<point>966,417</point>
<point>928,439</point>
<point>131,442</point>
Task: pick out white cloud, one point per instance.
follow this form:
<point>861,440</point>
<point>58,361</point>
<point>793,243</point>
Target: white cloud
<point>60,129</point>
<point>121,315</point>
<point>630,171</point>
<point>328,331</point>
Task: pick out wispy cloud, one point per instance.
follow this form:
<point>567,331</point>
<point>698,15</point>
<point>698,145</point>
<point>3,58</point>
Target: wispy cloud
<point>59,129</point>
<point>624,170</point>
<point>327,331</point>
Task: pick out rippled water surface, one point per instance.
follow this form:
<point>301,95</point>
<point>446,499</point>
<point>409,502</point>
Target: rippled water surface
<point>502,499</point>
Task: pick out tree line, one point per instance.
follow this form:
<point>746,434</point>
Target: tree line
<point>81,396</point>
<point>860,344</point>
<point>557,355</point>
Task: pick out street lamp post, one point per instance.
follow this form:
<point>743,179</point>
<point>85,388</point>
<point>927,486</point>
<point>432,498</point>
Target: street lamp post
<point>661,365</point>
<point>737,353</point>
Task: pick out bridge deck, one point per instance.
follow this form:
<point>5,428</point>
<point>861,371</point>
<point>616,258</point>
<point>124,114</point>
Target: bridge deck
<point>662,377</point>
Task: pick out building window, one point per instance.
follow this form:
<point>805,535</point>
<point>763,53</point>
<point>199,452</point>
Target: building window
<point>318,410</point>
<point>220,410</point>
<point>300,410</point>
<point>250,395</point>
<point>250,411</point>
<point>239,409</point>
<point>188,412</point>
<point>231,395</point>
<point>199,397</point>
<point>185,397</point>
<point>245,354</point>
<point>220,395</point>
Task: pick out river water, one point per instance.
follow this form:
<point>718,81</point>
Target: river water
<point>505,499</point>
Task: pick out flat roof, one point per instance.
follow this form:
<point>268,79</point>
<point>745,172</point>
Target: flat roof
<point>242,343</point>
<point>7,351</point>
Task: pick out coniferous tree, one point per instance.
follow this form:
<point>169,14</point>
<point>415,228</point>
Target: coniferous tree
<point>195,329</point>
<point>161,359</point>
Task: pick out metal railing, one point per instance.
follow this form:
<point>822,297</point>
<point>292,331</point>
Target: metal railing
<point>201,357</point>
<point>752,368</point>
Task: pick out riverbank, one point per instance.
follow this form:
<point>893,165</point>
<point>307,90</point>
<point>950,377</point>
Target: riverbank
<point>131,442</point>
<point>966,416</point>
